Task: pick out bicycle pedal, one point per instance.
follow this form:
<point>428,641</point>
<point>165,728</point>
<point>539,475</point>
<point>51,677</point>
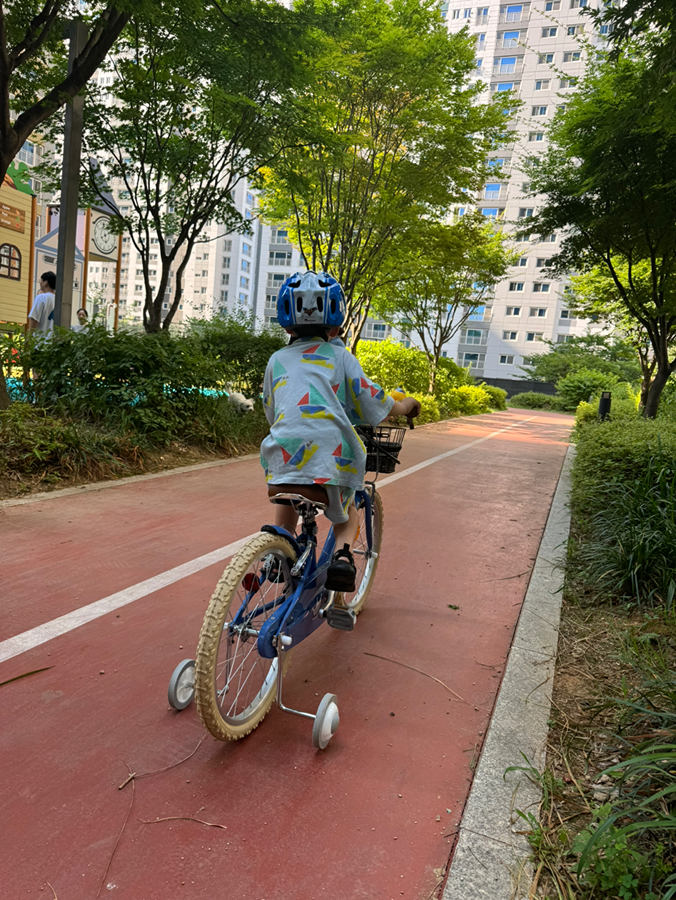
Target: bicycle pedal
<point>342,619</point>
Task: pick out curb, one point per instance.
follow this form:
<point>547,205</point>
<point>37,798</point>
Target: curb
<point>491,858</point>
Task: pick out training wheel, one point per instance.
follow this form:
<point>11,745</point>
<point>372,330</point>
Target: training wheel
<point>327,721</point>
<point>182,684</point>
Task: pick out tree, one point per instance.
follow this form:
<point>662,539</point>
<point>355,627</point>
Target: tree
<point>393,133</point>
<point>445,273</point>
<point>606,186</point>
<point>608,354</point>
<point>34,83</point>
<point>194,111</point>
<point>595,295</point>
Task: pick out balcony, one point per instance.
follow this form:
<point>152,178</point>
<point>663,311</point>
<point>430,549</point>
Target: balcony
<point>508,18</point>
<point>481,21</point>
<point>507,44</point>
<point>509,69</point>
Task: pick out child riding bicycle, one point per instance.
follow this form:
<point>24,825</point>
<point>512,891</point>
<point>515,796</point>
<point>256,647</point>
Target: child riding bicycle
<point>315,392</point>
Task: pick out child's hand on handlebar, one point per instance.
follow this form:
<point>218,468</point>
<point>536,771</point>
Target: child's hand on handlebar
<point>409,407</point>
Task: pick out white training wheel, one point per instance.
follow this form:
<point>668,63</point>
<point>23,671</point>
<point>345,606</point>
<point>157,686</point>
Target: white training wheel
<point>182,684</point>
<point>327,721</point>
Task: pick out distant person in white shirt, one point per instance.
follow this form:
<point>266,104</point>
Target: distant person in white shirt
<point>82,320</point>
<point>41,316</point>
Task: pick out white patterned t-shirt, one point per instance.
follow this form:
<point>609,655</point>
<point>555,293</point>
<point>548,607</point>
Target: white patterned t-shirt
<point>315,391</point>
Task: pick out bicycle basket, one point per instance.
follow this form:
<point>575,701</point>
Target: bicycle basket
<point>383,443</point>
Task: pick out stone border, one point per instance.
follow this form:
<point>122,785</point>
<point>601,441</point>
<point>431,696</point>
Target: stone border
<point>491,860</point>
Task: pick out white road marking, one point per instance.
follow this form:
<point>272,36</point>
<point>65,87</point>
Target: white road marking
<point>43,633</point>
<point>20,643</point>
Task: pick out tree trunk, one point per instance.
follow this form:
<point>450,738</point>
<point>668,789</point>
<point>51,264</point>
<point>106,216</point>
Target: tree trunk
<point>659,382</point>
<point>5,399</point>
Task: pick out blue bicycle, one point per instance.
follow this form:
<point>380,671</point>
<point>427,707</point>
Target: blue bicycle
<point>272,596</point>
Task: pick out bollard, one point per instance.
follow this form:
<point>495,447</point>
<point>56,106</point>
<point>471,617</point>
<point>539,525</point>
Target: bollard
<point>604,406</point>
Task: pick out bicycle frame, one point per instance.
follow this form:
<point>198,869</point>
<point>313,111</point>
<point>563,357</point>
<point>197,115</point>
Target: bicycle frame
<point>298,615</point>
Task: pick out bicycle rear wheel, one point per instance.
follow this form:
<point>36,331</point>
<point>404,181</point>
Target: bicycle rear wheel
<point>234,685</point>
<point>365,563</point>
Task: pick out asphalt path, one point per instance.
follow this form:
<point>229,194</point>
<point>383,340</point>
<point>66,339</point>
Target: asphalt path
<point>108,589</point>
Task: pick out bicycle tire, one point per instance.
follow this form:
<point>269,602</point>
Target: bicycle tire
<point>367,572</point>
<point>232,723</point>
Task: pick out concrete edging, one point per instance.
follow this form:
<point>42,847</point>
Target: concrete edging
<point>491,859</point>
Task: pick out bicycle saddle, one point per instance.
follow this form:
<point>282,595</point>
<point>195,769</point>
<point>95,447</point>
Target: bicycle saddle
<point>298,501</point>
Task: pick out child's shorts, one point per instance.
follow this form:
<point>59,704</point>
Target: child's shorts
<point>340,499</point>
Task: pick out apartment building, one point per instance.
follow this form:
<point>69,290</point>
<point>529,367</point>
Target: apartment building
<point>536,50</point>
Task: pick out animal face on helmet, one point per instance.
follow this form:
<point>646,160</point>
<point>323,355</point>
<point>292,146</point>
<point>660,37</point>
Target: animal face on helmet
<point>311,298</point>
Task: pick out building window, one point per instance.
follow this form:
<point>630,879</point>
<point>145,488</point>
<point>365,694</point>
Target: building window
<point>226,262</point>
<point>538,312</point>
<point>506,360</point>
<point>564,338</point>
<point>541,288</point>
<point>548,239</point>
<point>498,162</point>
<point>246,249</point>
<point>575,29</point>
<point>572,56</point>
<point>504,86</point>
<point>516,285</point>
<point>280,258</point>
<point>225,278</point>
<point>513,13</point>
<point>536,136</point>
<point>509,335</point>
<point>224,296</point>
<point>279,236</point>
<point>455,14</point>
<point>472,336</point>
<point>568,82</point>
<point>275,279</point>
<point>491,212</point>
<point>536,336</point>
<point>475,360</point>
<point>545,59</point>
<point>246,265</point>
<point>505,65</point>
<point>243,282</point>
<point>461,211</point>
<point>525,212</point>
<point>552,5</point>
<point>542,85</point>
<point>492,191</point>
<point>541,262</point>
<point>549,32</point>
<point>466,13</point>
<point>227,246</point>
<point>513,311</point>
<point>538,111</point>
<point>243,298</point>
<point>564,314</point>
<point>480,39</point>
<point>523,262</point>
<point>10,262</point>
<point>250,199</point>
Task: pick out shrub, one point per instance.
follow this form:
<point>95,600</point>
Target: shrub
<point>624,501</point>
<point>430,409</point>
<point>534,400</point>
<point>32,441</point>
<point>581,385</point>
<point>497,397</point>
<point>392,365</point>
<point>466,400</point>
<point>620,408</point>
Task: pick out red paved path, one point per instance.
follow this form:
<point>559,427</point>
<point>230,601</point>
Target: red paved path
<point>300,824</point>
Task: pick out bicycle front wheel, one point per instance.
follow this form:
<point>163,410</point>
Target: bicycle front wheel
<point>234,685</point>
<point>366,563</point>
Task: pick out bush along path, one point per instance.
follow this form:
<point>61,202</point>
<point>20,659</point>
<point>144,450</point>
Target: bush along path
<point>107,405</point>
<point>606,828</point>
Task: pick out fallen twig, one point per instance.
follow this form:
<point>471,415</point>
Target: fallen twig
<point>506,578</point>
<point>133,775</point>
<point>25,675</point>
<point>406,666</point>
<point>119,837</point>
<point>50,887</point>
<point>183,818</point>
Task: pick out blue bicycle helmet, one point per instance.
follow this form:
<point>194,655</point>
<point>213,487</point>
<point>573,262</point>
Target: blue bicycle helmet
<point>313,298</point>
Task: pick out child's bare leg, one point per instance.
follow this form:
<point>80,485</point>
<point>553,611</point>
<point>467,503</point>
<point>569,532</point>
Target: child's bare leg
<point>346,532</point>
<point>287,517</point>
